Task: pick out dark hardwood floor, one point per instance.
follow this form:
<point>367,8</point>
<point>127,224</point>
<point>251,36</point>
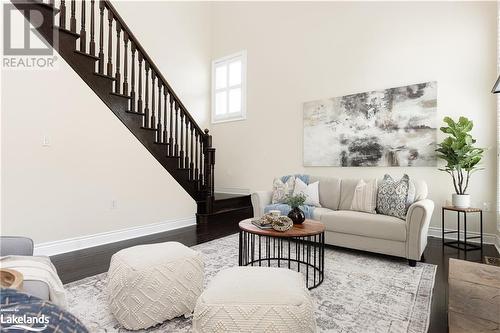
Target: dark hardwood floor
<point>87,262</point>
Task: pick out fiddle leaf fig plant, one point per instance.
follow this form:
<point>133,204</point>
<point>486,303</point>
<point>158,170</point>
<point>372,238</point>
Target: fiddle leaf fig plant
<point>458,151</point>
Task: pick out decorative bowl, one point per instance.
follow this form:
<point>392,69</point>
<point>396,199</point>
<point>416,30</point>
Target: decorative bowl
<point>282,223</point>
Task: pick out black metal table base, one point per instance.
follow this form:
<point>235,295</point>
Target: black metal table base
<point>459,244</point>
<point>303,254</point>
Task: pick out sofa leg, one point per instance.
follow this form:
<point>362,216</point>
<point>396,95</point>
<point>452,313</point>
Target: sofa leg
<point>412,263</point>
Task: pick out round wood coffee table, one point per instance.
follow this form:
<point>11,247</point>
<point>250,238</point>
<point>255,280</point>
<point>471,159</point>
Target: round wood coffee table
<point>301,248</point>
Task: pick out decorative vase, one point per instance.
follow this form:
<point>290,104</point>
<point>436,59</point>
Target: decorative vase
<point>460,200</point>
<point>297,215</point>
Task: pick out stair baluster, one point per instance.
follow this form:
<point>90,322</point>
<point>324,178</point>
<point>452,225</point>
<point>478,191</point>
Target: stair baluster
<point>83,33</point>
<point>110,43</point>
<point>186,162</point>
<point>72,21</point>
<point>159,133</point>
<point>201,160</point>
<point>101,37</point>
<point>139,101</point>
<point>132,90</point>
<point>191,165</point>
<point>181,138</point>
<point>153,110</point>
<point>117,74</point>
<point>176,150</point>
<point>92,28</point>
<point>125,64</point>
<point>196,156</point>
<point>171,123</point>
<point>146,97</point>
<point>165,111</point>
<point>62,14</point>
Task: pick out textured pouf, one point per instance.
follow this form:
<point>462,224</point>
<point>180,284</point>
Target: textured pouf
<point>255,299</point>
<point>149,284</point>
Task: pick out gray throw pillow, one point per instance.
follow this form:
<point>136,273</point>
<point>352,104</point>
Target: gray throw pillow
<point>392,196</point>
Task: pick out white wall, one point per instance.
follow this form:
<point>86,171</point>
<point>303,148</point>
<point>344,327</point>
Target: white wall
<point>65,190</point>
<point>300,52</point>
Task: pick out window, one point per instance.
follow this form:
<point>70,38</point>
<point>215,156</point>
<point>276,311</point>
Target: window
<point>229,88</point>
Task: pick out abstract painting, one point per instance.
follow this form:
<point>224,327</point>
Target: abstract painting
<point>391,127</point>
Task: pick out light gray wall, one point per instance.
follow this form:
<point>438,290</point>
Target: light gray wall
<point>299,52</point>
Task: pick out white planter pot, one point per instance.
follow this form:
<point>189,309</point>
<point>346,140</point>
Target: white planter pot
<point>460,200</point>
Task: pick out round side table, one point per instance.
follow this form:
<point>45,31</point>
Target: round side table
<point>301,248</point>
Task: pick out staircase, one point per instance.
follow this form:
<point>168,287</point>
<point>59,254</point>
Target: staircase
<point>109,58</point>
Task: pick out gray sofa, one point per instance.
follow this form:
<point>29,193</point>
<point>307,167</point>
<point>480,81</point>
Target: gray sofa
<point>363,231</point>
<point>23,246</point>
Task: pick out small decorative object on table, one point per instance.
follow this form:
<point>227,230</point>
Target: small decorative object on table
<point>296,214</point>
<point>282,223</point>
<point>273,221</point>
<point>461,157</point>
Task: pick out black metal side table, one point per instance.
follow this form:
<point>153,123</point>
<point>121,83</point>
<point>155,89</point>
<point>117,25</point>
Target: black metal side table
<point>301,248</point>
<point>458,244</point>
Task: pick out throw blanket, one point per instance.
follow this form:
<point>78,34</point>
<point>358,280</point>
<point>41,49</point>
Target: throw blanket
<point>285,209</point>
<point>41,269</point>
<point>304,178</point>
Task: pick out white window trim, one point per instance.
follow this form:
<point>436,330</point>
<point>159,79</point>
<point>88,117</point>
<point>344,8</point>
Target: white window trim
<point>242,115</point>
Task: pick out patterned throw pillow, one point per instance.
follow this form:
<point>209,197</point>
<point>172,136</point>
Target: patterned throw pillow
<point>392,196</point>
<point>365,196</point>
<point>282,189</point>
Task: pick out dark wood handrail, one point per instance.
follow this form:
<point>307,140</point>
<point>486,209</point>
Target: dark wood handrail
<point>146,57</point>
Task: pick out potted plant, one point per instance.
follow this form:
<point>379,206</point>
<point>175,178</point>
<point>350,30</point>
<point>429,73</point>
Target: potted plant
<point>296,214</point>
<point>461,157</point>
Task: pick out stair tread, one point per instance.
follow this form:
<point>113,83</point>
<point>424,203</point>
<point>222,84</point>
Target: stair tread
<point>105,76</point>
<point>220,196</point>
<point>136,113</point>
<point>120,95</point>
<point>86,55</point>
<point>149,129</point>
<point>68,32</point>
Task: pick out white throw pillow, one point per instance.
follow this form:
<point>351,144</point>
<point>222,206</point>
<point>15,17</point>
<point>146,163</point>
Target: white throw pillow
<point>365,197</point>
<point>311,192</point>
<point>282,190</point>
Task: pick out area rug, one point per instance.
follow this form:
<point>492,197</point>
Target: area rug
<point>361,293</point>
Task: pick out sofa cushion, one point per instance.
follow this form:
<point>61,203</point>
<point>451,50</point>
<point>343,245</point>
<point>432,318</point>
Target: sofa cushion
<point>329,191</point>
<point>347,188</point>
<point>365,224</point>
<point>320,211</point>
<point>420,189</point>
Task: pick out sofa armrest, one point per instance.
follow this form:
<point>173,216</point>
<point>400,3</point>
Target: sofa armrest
<point>260,199</point>
<point>417,225</point>
<point>16,246</point>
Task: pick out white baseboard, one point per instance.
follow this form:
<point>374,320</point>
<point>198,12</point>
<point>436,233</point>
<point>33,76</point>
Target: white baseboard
<point>487,238</point>
<point>78,243</point>
<point>232,190</point>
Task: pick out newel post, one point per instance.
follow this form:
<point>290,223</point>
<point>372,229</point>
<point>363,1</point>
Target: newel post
<point>209,162</point>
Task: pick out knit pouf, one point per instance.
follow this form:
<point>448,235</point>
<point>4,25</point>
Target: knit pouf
<point>255,299</point>
<point>149,284</point>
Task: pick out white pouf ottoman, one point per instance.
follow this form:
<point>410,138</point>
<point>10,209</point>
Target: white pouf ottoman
<point>149,284</point>
<point>255,299</point>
